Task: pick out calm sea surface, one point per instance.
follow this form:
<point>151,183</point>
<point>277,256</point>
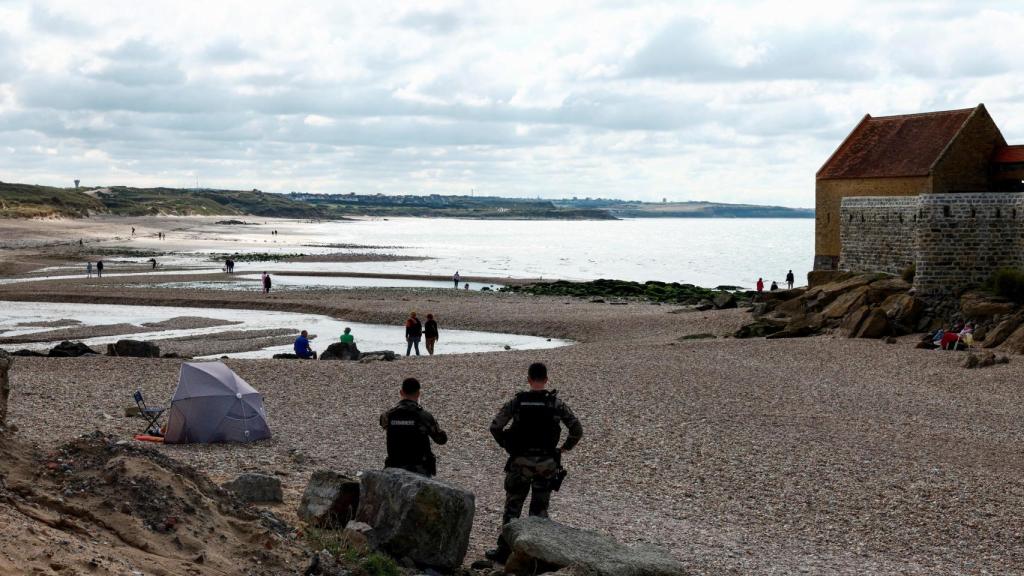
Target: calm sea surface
<point>706,252</point>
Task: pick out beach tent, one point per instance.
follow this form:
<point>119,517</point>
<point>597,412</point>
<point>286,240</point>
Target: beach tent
<point>213,404</point>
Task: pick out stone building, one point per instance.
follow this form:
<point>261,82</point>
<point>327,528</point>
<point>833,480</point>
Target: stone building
<point>941,191</point>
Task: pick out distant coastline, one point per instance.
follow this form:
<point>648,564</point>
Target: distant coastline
<point>33,201</point>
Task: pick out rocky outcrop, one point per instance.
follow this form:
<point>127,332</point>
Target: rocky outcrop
<point>6,361</point>
<point>341,351</point>
<point>859,305</point>
<point>415,517</point>
<point>70,350</point>
<point>134,349</point>
<point>385,355</point>
<point>983,360</point>
<point>1002,331</point>
<point>724,300</point>
<point>330,499</point>
<point>252,487</point>
<point>541,545</point>
<point>286,356</point>
<point>980,306</point>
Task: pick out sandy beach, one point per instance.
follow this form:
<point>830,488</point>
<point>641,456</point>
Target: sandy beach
<point>820,455</point>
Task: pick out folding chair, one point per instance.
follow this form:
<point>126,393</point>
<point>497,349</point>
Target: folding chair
<point>151,414</point>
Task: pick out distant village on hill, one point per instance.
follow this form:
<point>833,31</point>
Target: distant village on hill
<point>32,201</point>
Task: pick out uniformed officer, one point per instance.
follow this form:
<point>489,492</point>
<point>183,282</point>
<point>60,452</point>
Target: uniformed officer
<point>532,444</point>
<point>409,429</point>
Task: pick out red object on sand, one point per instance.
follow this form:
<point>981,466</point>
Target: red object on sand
<point>148,438</point>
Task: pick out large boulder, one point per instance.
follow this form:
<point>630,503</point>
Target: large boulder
<point>851,323</point>
<point>251,487</point>
<point>905,310</point>
<point>807,325</point>
<point>1002,331</point>
<point>416,517</point>
<point>6,361</point>
<point>978,306</point>
<point>724,300</point>
<point>759,329</point>
<point>846,303</point>
<point>134,349</point>
<point>330,499</point>
<point>875,325</point>
<point>881,289</point>
<point>70,350</point>
<point>541,545</point>
<point>1015,341</point>
<point>341,351</point>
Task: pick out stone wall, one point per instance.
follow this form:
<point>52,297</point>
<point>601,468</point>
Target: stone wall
<point>878,234</point>
<point>955,240</point>
<point>962,238</point>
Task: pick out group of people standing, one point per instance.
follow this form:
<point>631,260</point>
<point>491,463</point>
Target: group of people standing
<point>416,330</point>
<point>229,266</point>
<point>528,428</point>
<point>790,279</point>
<point>89,269</point>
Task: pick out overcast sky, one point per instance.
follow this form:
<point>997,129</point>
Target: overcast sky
<point>725,101</point>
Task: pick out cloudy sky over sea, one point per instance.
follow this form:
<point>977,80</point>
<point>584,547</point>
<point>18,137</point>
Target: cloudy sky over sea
<point>727,101</point>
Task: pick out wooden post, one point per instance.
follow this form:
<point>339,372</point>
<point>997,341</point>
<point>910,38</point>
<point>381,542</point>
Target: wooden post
<point>6,360</point>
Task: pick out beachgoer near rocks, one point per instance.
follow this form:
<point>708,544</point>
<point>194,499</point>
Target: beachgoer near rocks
<point>347,337</point>
<point>409,430</point>
<point>153,262</point>
<point>774,287</point>
<point>466,287</point>
<point>535,459</point>
<point>88,269</point>
<point>789,279</point>
<point>302,347</point>
<point>456,278</point>
<point>760,285</point>
<point>266,283</point>
<point>99,268</point>
<point>413,333</point>
<point>430,333</point>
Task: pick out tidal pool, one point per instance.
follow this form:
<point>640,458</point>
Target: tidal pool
<point>369,337</point>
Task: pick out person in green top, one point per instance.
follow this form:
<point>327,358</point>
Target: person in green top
<point>347,336</point>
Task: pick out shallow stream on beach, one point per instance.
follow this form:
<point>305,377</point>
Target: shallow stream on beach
<point>16,319</point>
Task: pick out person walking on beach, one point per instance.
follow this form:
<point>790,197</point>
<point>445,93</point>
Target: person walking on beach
<point>430,333</point>
<point>266,283</point>
<point>99,268</point>
<point>409,430</point>
<point>302,348</point>
<point>789,279</point>
<point>88,269</point>
<point>413,333</point>
<point>456,278</point>
<point>534,457</point>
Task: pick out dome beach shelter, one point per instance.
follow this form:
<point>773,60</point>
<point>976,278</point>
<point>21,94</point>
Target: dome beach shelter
<point>213,404</point>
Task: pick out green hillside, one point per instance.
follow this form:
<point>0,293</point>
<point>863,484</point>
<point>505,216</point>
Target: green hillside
<point>29,201</point>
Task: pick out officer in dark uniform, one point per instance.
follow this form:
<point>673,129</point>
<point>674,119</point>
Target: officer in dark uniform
<point>409,429</point>
<point>535,459</point>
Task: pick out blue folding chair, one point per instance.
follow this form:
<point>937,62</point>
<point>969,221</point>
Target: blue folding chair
<point>151,414</point>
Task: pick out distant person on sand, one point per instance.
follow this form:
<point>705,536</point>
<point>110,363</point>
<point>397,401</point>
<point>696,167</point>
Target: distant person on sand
<point>347,337</point>
<point>266,283</point>
<point>790,279</point>
<point>410,429</point>
<point>413,333</point>
<point>466,287</point>
<point>88,269</point>
<point>456,278</point>
<point>302,347</point>
<point>133,230</point>
<point>430,333</point>
<point>99,268</point>
<point>775,286</point>
<point>153,262</point>
<point>534,456</point>
<point>760,285</point>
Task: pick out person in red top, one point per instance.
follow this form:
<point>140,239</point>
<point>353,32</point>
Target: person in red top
<point>760,285</point>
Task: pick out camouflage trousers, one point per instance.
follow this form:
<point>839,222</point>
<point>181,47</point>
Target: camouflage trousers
<point>525,473</point>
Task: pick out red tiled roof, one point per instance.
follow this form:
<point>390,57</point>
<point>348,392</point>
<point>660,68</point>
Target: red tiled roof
<point>887,146</point>
<point>1009,155</point>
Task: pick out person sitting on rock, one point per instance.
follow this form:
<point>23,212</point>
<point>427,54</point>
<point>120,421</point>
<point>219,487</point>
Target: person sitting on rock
<point>347,337</point>
<point>302,347</point>
<point>409,430</point>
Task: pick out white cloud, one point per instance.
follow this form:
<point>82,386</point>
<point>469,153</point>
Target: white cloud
<point>735,101</point>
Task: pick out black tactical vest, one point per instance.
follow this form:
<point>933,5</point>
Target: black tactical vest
<point>408,442</point>
<point>535,425</point>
